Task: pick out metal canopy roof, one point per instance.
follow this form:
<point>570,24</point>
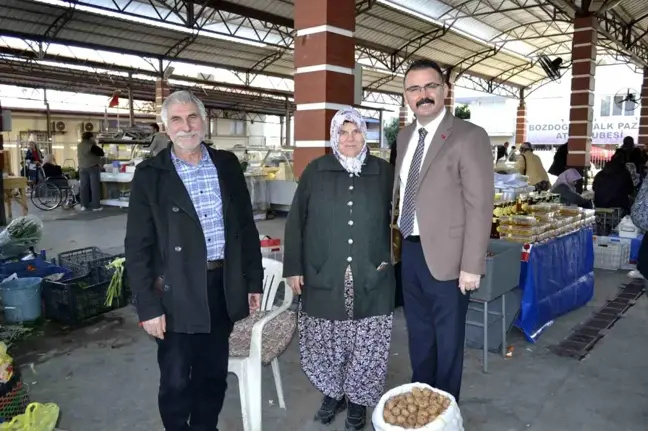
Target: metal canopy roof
<point>492,45</point>
<point>42,75</point>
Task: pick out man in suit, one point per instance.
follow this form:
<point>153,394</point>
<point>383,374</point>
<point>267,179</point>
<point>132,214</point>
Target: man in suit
<point>444,179</point>
<point>193,259</point>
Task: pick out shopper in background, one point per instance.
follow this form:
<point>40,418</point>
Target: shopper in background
<point>89,155</point>
<point>444,177</point>
<point>529,164</point>
<point>639,216</point>
<point>559,164</point>
<point>513,155</point>
<point>50,168</point>
<point>193,259</point>
<point>33,160</point>
<point>159,142</point>
<point>337,256</point>
<point>613,185</point>
<point>502,152</point>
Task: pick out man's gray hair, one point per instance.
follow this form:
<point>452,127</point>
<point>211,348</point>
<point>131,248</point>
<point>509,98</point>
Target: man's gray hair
<point>181,97</point>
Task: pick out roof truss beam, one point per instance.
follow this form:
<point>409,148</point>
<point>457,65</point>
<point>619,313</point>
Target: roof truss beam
<point>627,37</point>
<point>236,18</point>
<point>34,74</point>
<point>488,86</point>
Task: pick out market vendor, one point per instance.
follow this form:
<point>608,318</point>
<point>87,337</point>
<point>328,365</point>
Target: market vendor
<point>565,186</point>
<point>529,164</point>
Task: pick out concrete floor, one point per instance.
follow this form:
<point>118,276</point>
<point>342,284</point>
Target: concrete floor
<point>104,377</point>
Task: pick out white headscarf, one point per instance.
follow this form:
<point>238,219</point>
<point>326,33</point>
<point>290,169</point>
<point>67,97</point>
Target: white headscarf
<point>352,165</point>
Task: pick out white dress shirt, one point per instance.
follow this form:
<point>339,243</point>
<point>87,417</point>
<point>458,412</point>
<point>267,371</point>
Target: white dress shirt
<point>407,161</point>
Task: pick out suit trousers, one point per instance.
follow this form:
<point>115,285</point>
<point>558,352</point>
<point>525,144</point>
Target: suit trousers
<point>193,368</point>
<point>435,312</point>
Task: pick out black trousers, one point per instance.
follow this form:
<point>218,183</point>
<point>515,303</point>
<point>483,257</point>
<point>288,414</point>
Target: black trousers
<point>435,312</point>
<point>193,368</point>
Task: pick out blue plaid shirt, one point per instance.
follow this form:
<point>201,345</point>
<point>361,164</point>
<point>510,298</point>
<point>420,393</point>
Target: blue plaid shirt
<point>202,184</point>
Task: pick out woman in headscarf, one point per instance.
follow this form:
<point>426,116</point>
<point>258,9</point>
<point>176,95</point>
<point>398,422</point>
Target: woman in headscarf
<point>337,256</point>
<point>565,186</point>
<point>613,185</point>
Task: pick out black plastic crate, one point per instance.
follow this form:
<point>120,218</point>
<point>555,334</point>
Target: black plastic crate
<point>73,301</point>
<point>81,257</point>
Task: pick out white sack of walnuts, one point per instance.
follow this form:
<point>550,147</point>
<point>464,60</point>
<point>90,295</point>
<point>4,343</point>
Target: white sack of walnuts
<point>449,420</point>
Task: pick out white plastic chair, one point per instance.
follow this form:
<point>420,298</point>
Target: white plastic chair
<point>248,368</point>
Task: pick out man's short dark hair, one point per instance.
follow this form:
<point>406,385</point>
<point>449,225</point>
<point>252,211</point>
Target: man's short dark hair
<point>155,127</point>
<point>87,135</point>
<point>426,64</point>
<point>628,141</point>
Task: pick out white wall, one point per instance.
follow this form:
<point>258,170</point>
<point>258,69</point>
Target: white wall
<point>495,115</point>
<point>548,108</point>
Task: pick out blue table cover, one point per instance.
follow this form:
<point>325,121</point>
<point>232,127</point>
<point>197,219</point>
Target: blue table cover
<point>558,277</point>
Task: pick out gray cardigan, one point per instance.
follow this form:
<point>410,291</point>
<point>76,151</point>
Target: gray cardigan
<point>336,220</point>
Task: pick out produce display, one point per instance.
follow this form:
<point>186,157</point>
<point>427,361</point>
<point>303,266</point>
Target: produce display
<point>415,409</point>
<point>535,218</point>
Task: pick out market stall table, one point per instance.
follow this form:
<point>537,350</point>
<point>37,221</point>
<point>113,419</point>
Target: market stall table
<point>115,188</point>
<point>556,277</point>
<point>11,184</point>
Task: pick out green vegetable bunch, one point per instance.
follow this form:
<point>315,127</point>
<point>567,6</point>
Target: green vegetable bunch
<point>115,288</point>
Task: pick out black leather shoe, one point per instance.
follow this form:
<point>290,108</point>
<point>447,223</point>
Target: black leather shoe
<point>356,417</point>
<point>329,408</point>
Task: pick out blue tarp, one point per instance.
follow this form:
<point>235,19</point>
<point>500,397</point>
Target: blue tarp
<point>37,267</point>
<point>557,278</point>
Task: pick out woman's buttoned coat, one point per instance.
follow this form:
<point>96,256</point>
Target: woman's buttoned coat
<point>338,220</point>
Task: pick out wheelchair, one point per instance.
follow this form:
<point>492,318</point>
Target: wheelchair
<point>55,192</point>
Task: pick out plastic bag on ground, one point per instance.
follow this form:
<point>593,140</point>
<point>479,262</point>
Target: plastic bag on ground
<point>21,234</point>
<point>450,420</point>
<point>627,229</point>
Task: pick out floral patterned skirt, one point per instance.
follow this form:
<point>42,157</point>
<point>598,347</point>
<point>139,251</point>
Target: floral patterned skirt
<point>346,357</point>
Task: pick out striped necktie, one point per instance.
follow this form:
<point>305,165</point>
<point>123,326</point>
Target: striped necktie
<point>408,208</point>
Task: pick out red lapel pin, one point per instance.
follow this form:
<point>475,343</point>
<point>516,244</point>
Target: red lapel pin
<point>443,137</point>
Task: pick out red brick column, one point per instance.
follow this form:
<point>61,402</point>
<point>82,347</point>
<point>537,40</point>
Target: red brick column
<point>324,80</point>
<point>521,124</point>
<point>161,93</point>
<point>582,92</point>
<point>403,117</point>
<point>642,139</point>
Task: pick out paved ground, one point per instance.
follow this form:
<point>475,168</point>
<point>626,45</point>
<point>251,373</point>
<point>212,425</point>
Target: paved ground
<point>104,377</point>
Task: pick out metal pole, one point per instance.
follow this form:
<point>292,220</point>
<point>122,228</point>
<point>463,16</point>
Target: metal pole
<point>209,124</point>
<point>49,122</point>
<point>288,137</point>
<point>281,131</point>
<point>3,215</point>
<point>381,132</point>
<point>131,108</point>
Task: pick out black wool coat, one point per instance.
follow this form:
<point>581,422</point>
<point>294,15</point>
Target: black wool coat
<point>164,238</point>
<point>336,220</point>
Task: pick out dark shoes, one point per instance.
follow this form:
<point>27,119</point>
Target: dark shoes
<point>329,408</point>
<point>356,415</point>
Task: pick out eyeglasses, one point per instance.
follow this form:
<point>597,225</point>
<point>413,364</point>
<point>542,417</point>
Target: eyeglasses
<point>344,134</point>
<point>415,89</point>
